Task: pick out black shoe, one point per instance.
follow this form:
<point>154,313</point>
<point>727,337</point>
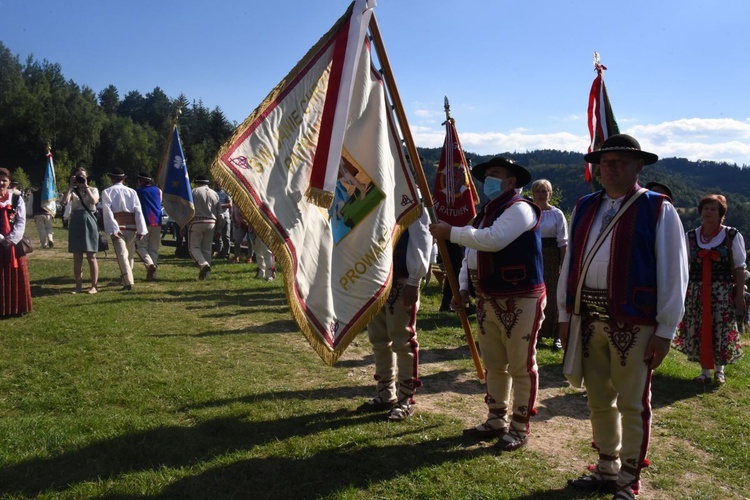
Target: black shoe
<point>471,310</point>
<point>127,287</point>
<point>204,271</point>
<point>446,308</point>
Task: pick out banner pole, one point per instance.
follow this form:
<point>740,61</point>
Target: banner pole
<point>422,181</point>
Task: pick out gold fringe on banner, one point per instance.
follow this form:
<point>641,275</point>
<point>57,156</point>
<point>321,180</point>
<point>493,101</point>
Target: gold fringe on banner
<point>271,238</point>
<point>283,84</point>
<point>319,197</point>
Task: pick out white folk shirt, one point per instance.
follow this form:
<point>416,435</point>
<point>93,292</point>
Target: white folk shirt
<point>120,198</point>
<point>671,267</point>
<point>419,249</point>
<point>553,225</point>
<point>19,226</point>
<point>515,221</point>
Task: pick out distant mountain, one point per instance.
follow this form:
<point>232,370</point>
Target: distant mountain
<point>688,180</point>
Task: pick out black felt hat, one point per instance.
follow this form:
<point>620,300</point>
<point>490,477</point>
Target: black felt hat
<point>116,173</point>
<point>654,186</point>
<point>522,175</point>
<point>621,142</point>
<point>145,176</point>
<point>201,179</point>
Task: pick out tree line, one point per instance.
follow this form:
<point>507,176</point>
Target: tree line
<point>688,180</point>
<point>39,107</point>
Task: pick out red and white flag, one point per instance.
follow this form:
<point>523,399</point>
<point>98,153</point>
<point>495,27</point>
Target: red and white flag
<point>318,170</point>
<point>601,119</point>
<point>454,195</point>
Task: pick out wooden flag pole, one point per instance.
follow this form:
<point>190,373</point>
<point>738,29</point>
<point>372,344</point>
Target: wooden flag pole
<point>422,181</point>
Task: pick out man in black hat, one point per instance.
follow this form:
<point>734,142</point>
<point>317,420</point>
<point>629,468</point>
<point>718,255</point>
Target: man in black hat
<point>504,261</point>
<point>124,222</point>
<point>620,297</point>
<point>150,198</point>
<point>658,187</point>
<point>206,222</point>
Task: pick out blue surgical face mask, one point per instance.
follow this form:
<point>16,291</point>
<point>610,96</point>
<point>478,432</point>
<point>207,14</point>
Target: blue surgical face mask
<point>493,187</point>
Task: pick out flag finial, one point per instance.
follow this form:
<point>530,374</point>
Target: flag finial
<point>447,107</point>
<point>598,66</point>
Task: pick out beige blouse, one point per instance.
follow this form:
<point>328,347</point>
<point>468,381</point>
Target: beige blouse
<point>75,202</point>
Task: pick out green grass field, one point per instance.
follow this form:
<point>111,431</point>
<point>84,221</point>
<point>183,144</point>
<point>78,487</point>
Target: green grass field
<point>206,389</point>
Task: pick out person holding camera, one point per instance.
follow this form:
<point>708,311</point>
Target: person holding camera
<point>83,234</point>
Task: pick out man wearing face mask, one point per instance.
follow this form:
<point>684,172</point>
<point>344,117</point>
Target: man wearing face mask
<point>504,262</point>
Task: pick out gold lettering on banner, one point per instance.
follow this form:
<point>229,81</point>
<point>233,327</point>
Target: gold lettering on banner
<point>311,101</point>
<point>312,104</point>
<point>364,264</point>
<point>262,158</point>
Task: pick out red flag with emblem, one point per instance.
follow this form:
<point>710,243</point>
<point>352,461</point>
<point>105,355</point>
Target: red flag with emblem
<point>454,195</point>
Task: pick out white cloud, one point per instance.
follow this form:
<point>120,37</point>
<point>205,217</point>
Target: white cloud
<point>714,139</point>
<point>520,140</point>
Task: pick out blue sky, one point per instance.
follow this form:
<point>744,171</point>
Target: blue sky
<point>517,73</point>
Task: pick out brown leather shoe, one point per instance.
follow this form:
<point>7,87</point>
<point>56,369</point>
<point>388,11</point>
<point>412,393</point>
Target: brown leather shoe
<point>484,431</point>
<point>511,441</point>
<point>376,404</point>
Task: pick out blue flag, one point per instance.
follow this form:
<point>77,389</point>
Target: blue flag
<point>48,192</point>
<point>174,182</point>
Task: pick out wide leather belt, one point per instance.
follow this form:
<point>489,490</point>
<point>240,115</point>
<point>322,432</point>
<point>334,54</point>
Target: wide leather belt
<point>594,303</point>
<point>125,218</point>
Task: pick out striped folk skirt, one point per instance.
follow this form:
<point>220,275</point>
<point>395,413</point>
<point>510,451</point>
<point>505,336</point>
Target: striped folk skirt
<point>15,291</point>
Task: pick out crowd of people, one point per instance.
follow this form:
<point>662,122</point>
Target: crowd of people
<point>616,289</point>
<point>131,219</point>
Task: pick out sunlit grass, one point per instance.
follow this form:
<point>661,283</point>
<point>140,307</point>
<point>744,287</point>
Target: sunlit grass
<point>206,389</point>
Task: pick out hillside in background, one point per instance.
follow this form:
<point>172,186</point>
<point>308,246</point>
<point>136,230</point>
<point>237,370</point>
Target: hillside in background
<point>688,180</point>
<point>40,107</point>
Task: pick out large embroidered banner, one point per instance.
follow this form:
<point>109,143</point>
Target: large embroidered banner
<point>318,170</point>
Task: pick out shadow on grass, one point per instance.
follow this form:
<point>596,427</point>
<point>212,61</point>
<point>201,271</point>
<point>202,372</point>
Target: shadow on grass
<point>42,291</point>
<point>325,473</point>
<point>212,298</point>
<point>667,389</point>
<point>341,466</point>
<point>429,321</point>
<point>272,327</point>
